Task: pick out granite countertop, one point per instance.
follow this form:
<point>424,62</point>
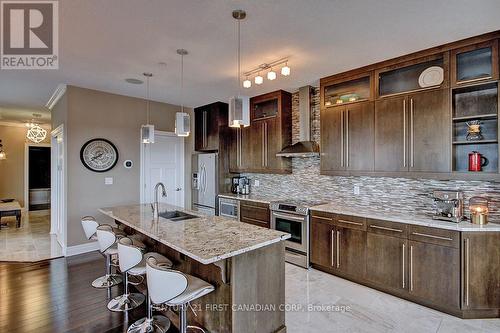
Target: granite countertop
<point>423,220</point>
<point>206,239</point>
<point>251,197</point>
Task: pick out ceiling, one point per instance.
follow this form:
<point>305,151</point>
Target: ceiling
<point>102,42</point>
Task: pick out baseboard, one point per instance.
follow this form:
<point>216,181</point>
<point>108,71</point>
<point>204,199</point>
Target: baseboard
<point>82,248</point>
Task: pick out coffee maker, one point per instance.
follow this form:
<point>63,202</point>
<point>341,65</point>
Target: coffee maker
<point>240,185</point>
<point>449,206</point>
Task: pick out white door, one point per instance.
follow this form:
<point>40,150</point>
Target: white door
<point>163,161</point>
<point>58,194</point>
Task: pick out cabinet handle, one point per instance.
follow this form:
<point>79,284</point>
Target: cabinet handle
<point>239,145</point>
<point>204,129</point>
<point>385,228</point>
<point>431,236</point>
<point>266,141</point>
<point>404,279</point>
<point>347,138</point>
<point>322,218</point>
<point>350,222</point>
<point>411,267</point>
<point>342,138</point>
<point>338,248</point>
<point>331,247</point>
<point>263,144</point>
<point>404,133</point>
<point>467,272</point>
<point>412,139</point>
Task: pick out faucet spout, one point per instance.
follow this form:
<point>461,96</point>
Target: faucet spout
<point>163,194</point>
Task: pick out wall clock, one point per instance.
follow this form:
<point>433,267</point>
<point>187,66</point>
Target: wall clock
<point>99,155</point>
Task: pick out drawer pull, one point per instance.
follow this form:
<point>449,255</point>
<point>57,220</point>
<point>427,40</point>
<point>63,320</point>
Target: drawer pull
<point>322,218</point>
<point>331,247</point>
<point>431,236</point>
<point>350,222</point>
<point>404,271</point>
<point>385,228</point>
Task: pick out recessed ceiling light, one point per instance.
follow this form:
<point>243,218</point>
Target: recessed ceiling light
<point>134,81</point>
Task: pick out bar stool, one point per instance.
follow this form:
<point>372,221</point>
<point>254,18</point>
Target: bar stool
<point>89,225</point>
<point>107,237</point>
<point>173,288</point>
<point>157,323</point>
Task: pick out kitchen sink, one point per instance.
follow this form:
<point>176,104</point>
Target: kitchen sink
<point>176,215</point>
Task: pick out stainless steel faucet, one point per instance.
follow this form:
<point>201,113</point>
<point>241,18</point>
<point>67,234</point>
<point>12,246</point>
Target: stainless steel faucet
<point>155,205</point>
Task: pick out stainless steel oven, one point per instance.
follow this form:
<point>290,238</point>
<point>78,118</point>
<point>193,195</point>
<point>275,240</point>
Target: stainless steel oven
<point>229,208</point>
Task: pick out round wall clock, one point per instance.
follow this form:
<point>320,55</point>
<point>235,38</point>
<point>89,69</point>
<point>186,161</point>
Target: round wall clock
<point>99,155</point>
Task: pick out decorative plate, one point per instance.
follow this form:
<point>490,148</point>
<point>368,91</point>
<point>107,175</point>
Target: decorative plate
<point>99,155</point>
<point>431,76</point>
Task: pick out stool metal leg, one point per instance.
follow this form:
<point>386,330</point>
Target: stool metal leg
<point>183,326</point>
<point>127,301</point>
<point>150,324</point>
<point>108,280</point>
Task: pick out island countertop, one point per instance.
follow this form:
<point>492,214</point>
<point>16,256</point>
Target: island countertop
<point>206,239</point>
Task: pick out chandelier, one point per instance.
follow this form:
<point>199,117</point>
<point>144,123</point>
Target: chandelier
<point>35,133</point>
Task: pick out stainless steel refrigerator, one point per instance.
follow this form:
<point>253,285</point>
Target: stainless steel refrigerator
<point>204,182</point>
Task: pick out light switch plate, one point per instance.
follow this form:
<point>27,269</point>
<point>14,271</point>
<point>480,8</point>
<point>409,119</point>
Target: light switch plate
<point>256,183</point>
<point>356,189</point>
<point>108,181</point>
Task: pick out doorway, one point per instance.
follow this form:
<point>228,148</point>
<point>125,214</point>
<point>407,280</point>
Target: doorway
<point>163,161</point>
<point>38,177</point>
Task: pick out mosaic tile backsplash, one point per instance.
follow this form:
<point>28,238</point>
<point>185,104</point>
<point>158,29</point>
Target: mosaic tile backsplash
<point>401,195</point>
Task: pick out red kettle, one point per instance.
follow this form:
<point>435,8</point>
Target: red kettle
<point>477,161</point>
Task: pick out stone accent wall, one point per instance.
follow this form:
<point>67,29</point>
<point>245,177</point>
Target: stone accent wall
<point>400,195</point>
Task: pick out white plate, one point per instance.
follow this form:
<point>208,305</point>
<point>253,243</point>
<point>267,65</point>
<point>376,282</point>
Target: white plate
<point>431,76</point>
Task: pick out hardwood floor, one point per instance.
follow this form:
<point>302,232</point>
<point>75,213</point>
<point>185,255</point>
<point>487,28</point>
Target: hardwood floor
<point>57,296</point>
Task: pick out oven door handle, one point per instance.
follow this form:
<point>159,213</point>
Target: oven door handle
<point>288,217</point>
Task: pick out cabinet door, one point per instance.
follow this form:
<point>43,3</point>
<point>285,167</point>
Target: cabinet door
<point>359,136</point>
<point>350,251</point>
<point>386,261</point>
<point>434,274</point>
<point>235,150</point>
<point>332,139</point>
<point>391,134</point>
<point>252,148</point>
<point>275,141</point>
<point>481,270</point>
<point>212,129</point>
<point>322,239</point>
<point>430,137</point>
<point>200,139</point>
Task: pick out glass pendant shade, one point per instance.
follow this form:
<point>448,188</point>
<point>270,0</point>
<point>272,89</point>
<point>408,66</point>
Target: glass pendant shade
<point>271,75</point>
<point>259,79</point>
<point>182,124</point>
<point>285,71</point>
<point>148,134</point>
<point>2,155</point>
<point>239,111</point>
<point>247,83</point>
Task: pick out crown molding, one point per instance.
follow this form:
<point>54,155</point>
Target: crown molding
<point>56,96</point>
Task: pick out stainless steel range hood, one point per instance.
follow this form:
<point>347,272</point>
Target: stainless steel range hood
<point>305,147</point>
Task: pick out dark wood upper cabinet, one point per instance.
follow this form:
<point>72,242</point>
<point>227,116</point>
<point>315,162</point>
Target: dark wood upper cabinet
<point>347,136</point>
<point>430,131</point>
<point>474,63</point>
<point>254,148</point>
<point>209,120</point>
<point>481,270</point>
<point>391,134</point>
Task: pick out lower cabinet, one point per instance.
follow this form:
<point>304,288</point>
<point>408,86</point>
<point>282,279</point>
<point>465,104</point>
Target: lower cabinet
<point>255,213</point>
<point>458,273</point>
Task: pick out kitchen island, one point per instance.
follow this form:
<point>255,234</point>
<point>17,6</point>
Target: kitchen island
<point>245,263</point>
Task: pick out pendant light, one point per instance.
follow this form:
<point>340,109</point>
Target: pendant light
<point>285,70</point>
<point>259,79</point>
<point>148,130</point>
<point>271,75</point>
<point>3,156</point>
<point>239,106</point>
<point>182,119</point>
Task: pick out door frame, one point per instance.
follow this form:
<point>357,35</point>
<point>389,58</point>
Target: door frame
<point>58,191</point>
<point>144,165</point>
<point>27,146</point>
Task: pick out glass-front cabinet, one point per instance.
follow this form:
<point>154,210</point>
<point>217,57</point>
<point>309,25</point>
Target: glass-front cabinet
<point>475,63</point>
<point>353,91</point>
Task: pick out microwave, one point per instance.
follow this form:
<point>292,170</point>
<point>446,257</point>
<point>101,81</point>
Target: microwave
<point>229,208</point>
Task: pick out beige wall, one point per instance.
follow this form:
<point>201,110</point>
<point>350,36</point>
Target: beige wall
<point>12,169</point>
<point>91,114</point>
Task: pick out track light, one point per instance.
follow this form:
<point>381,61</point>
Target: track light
<point>271,75</point>
<point>247,83</point>
<point>285,70</point>
<point>259,79</point>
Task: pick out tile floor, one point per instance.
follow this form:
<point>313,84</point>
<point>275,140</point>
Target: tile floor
<point>369,310</point>
<point>31,242</point>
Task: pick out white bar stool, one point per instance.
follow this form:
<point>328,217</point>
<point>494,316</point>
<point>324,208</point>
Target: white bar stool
<point>157,323</point>
<point>131,262</point>
<point>107,237</point>
<point>173,288</point>
<point>89,225</point>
